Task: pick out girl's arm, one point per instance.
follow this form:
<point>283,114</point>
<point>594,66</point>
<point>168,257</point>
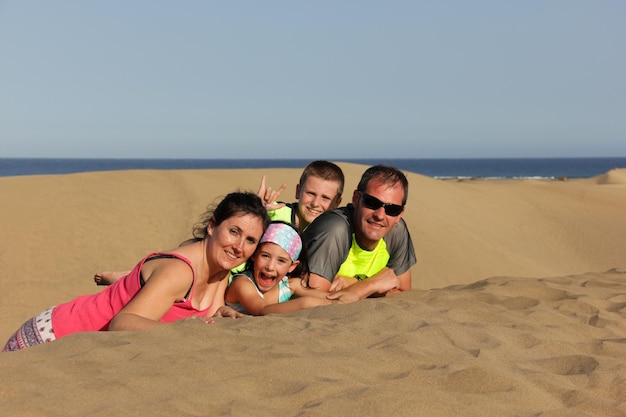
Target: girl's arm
<point>168,282</point>
<point>242,291</point>
<point>296,304</point>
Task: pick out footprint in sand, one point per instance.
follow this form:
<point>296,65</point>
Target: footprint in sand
<point>569,365</point>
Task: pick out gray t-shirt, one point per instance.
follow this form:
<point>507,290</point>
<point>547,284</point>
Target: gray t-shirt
<point>329,238</point>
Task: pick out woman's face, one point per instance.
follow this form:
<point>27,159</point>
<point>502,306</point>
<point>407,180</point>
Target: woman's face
<point>234,240</point>
<point>271,264</point>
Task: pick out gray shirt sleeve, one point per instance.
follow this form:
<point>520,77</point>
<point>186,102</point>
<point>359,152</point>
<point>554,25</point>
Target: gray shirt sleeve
<point>328,241</point>
<point>400,247</point>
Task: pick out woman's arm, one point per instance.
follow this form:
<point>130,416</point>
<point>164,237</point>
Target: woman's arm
<point>167,281</point>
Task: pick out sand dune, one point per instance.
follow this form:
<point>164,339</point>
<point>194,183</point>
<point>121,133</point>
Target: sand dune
<point>519,306</point>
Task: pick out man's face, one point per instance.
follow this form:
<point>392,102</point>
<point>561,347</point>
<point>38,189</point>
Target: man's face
<point>371,225</point>
<point>315,196</point>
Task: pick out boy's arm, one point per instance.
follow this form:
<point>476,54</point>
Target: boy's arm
<point>299,290</point>
<point>319,282</point>
<point>269,195</point>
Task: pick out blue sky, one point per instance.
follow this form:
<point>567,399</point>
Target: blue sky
<point>316,79</point>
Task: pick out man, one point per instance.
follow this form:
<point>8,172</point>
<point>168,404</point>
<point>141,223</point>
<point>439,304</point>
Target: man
<point>365,247</point>
<point>320,189</point>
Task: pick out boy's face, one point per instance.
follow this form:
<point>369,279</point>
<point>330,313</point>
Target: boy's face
<point>315,196</point>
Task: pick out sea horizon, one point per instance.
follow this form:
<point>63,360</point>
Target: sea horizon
<point>441,168</point>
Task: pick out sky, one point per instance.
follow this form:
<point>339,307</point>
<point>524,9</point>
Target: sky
<point>312,79</point>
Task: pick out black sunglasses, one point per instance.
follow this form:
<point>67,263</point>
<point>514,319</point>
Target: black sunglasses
<point>373,203</point>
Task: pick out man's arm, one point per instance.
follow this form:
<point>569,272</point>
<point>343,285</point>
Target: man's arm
<point>379,285</point>
<point>405,283</point>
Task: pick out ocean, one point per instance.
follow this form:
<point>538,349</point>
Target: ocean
<point>487,168</point>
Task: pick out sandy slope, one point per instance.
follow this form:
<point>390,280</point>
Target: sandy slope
<point>515,310</point>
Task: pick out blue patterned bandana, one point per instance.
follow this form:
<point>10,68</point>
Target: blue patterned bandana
<point>284,236</point>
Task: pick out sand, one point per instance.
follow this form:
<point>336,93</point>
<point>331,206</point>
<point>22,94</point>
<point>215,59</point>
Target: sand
<point>518,306</point>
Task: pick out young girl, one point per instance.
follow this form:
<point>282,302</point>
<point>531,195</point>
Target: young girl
<point>276,271</point>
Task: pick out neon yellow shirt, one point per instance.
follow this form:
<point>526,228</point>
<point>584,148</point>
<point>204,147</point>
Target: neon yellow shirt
<point>363,263</point>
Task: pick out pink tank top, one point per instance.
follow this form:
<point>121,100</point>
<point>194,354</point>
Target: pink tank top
<point>94,312</point>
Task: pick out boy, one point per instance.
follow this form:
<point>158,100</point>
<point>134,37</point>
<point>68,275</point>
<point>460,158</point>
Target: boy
<point>320,189</point>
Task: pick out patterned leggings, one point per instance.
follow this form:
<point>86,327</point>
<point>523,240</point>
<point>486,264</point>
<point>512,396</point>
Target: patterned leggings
<point>34,332</point>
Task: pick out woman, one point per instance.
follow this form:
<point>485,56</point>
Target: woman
<point>186,282</point>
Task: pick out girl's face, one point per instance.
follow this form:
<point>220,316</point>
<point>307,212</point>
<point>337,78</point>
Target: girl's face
<point>271,264</point>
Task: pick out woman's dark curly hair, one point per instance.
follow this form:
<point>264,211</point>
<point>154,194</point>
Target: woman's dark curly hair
<point>234,204</point>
